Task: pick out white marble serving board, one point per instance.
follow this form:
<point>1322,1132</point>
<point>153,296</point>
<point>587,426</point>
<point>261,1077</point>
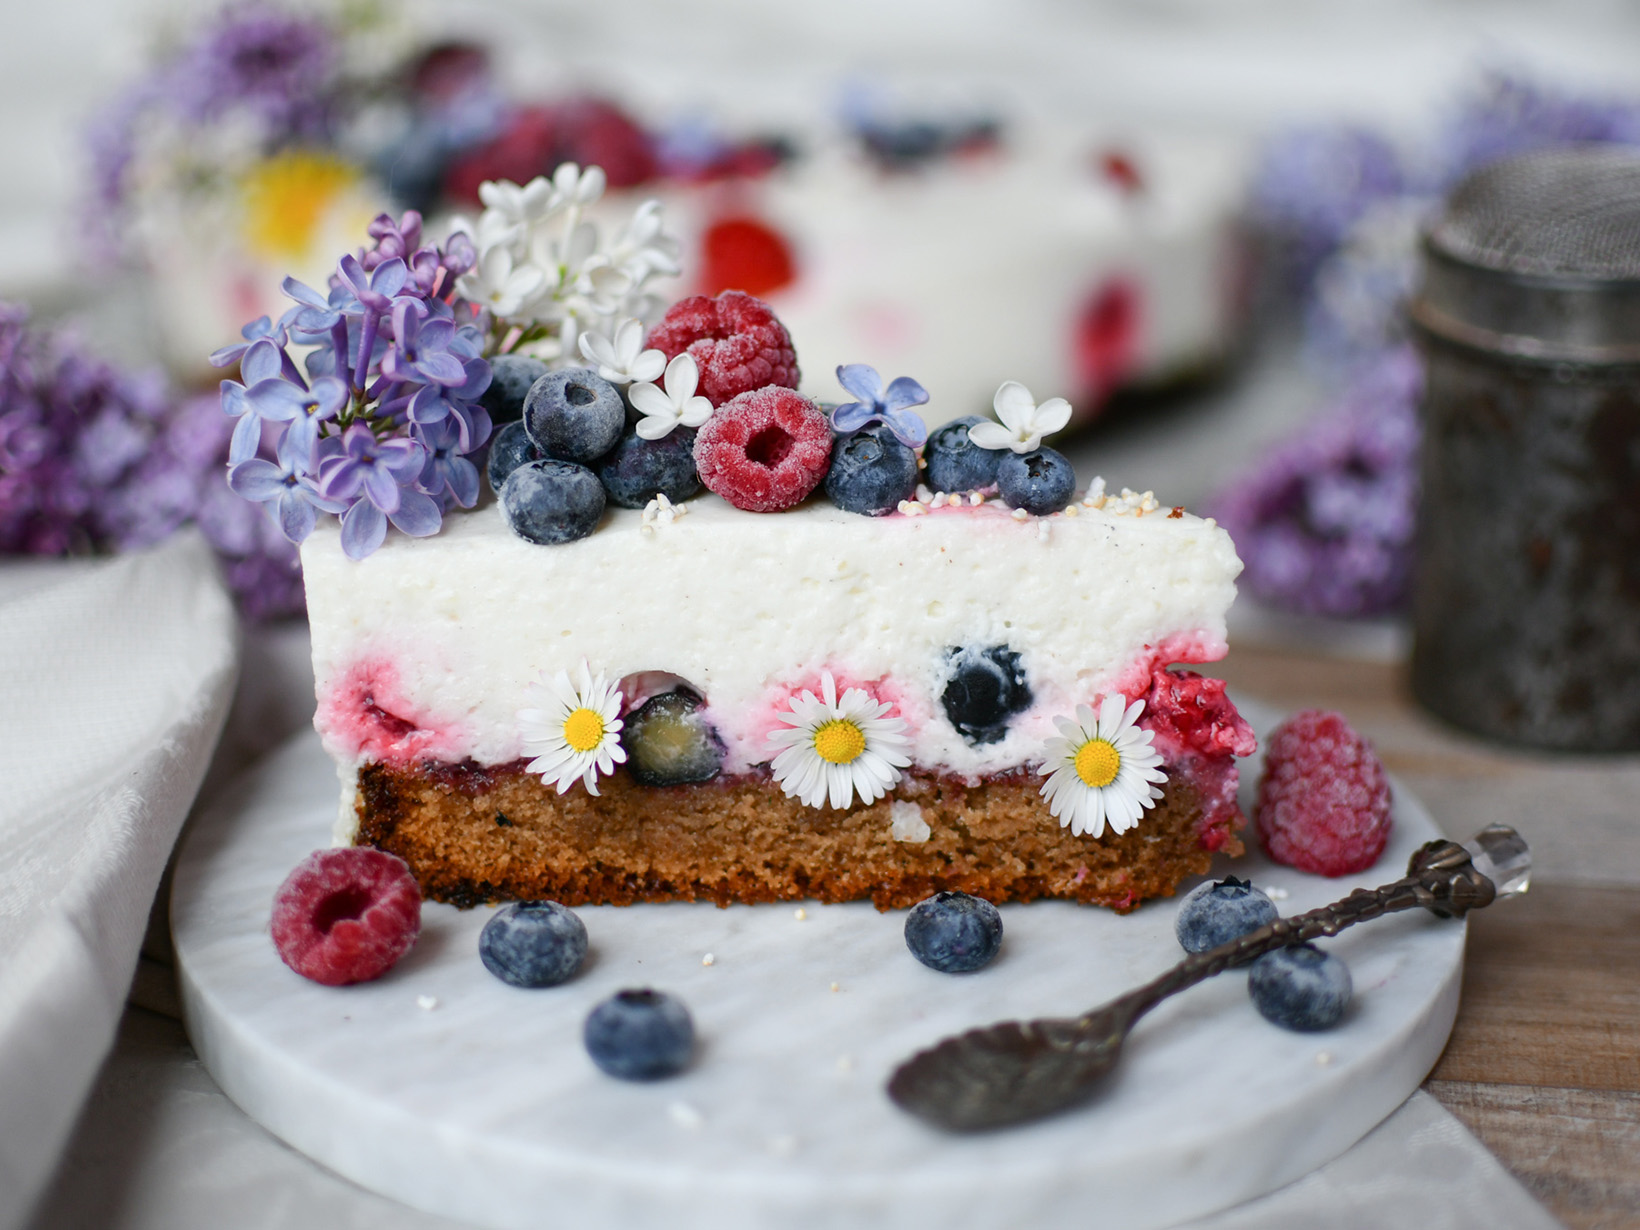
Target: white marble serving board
<point>486,1108</point>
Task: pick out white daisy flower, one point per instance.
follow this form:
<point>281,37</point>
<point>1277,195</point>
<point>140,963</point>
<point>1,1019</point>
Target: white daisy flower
<point>1024,423</point>
<point>621,359</point>
<point>835,748</point>
<point>1102,770</point>
<point>662,411</point>
<point>575,733</point>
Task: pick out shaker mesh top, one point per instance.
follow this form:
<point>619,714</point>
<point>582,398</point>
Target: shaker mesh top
<point>1571,212</point>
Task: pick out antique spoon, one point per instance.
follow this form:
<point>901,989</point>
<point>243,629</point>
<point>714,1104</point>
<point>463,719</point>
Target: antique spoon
<point>1017,1071</point>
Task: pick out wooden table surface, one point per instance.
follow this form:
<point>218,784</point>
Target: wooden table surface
<point>1544,1062</point>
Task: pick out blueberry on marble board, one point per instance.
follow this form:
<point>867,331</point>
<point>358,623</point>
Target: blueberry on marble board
<point>550,502</point>
<point>871,472</point>
<point>1041,482</point>
<point>510,448</point>
<point>956,463</point>
<point>533,944</point>
<point>1300,987</point>
<point>669,742</point>
<point>640,1035</point>
<point>574,414</point>
<point>1220,911</point>
<point>987,687</point>
<point>953,932</point>
<point>638,470</point>
<point>511,376</point>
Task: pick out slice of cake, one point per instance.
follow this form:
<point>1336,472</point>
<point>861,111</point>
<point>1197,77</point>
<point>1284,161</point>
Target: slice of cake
<point>810,705</point>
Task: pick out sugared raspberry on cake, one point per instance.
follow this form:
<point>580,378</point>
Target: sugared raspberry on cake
<point>736,340</point>
<point>764,451</point>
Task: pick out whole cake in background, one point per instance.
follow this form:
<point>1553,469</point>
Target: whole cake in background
<point>868,661</point>
<point>267,136</point>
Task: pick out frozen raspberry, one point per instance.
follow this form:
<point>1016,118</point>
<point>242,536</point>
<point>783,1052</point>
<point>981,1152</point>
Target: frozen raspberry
<point>346,915</point>
<point>765,450</point>
<point>1323,802</point>
<point>737,341</point>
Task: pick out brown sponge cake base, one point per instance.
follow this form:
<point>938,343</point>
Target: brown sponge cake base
<point>473,835</point>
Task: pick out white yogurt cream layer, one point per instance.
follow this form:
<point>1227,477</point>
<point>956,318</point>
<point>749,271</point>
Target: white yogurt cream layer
<point>424,650</point>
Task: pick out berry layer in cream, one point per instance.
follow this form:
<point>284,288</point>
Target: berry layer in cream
<point>424,650</point>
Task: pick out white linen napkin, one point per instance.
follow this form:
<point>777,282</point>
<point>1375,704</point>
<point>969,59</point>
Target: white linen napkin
<point>114,681</point>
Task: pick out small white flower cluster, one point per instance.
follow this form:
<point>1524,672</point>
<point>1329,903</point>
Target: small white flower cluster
<point>543,271</point>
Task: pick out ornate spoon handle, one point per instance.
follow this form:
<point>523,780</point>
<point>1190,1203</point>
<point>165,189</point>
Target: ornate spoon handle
<point>1016,1071</point>
<point>1441,879</point>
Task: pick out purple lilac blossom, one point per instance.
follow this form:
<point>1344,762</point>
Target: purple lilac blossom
<point>96,459</point>
<point>1311,186</point>
<point>1324,524</point>
<point>1510,115</point>
<point>378,429</point>
<point>255,58</point>
<point>250,61</point>
<point>875,405</point>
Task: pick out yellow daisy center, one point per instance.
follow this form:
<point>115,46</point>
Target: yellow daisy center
<point>584,729</point>
<point>287,195</point>
<point>839,741</point>
<point>1097,762</point>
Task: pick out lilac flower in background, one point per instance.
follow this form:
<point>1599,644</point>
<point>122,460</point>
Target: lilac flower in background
<point>1510,115</point>
<point>891,407</point>
<point>255,58</point>
<point>97,459</point>
<point>1311,186</point>
<point>1324,524</point>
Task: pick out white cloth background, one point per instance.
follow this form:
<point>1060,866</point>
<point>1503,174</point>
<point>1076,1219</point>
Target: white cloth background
<point>114,681</point>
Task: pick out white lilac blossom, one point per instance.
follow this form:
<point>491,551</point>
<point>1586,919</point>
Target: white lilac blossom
<point>378,426</point>
<point>1101,769</point>
<point>1024,423</point>
<point>546,276</point>
<point>677,405</point>
<point>573,730</point>
<point>622,359</point>
<point>834,748</point>
<point>874,404</point>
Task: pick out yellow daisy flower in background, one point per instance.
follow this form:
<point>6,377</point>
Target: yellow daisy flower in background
<point>287,197</point>
<point>1102,769</point>
<point>834,748</point>
<point>575,733</point>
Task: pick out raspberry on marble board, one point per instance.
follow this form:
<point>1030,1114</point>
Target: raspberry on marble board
<point>1324,799</point>
<point>346,915</point>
